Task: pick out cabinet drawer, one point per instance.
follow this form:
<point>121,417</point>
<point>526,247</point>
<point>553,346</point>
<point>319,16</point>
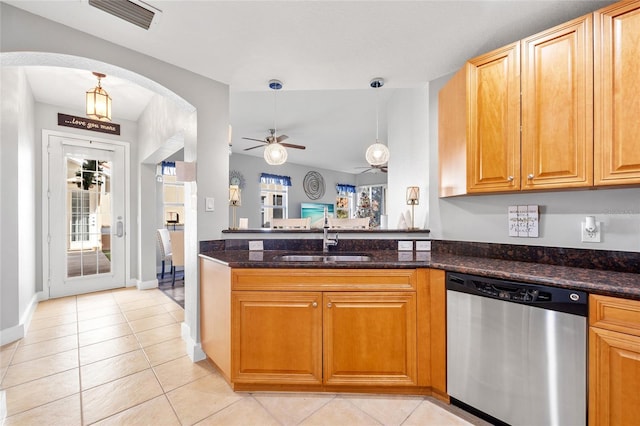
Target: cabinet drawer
<point>615,314</point>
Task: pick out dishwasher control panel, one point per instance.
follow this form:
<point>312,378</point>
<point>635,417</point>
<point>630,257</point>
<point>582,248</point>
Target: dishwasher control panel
<point>547,297</point>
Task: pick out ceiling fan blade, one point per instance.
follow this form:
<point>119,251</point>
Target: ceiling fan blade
<point>257,140</point>
<point>290,145</point>
<point>282,138</point>
<point>253,147</point>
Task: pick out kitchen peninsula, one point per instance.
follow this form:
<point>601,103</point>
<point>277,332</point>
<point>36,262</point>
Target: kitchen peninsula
<point>322,325</point>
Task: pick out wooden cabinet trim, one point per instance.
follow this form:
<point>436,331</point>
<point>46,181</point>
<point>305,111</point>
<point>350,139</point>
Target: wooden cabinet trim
<point>324,279</point>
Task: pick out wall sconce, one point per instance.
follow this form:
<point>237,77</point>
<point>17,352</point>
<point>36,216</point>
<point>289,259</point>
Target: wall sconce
<point>234,202</point>
<point>99,101</point>
<point>413,198</point>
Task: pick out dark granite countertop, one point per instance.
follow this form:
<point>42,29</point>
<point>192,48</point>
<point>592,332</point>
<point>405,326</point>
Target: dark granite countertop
<point>604,282</point>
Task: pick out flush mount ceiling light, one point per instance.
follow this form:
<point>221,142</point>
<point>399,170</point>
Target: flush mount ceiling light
<point>275,154</point>
<point>99,101</point>
<point>377,154</point>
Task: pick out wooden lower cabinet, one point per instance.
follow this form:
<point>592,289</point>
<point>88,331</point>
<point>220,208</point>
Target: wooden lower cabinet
<point>614,361</point>
<point>277,337</point>
<point>370,338</point>
<point>331,330</point>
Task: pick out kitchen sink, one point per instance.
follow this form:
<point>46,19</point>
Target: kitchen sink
<point>324,258</point>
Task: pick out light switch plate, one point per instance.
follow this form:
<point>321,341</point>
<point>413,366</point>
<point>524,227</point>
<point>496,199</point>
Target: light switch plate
<point>405,245</point>
<point>255,245</point>
<point>209,204</point>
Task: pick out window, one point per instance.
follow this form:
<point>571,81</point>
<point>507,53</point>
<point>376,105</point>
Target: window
<point>274,200</point>
<point>372,203</point>
<point>345,201</point>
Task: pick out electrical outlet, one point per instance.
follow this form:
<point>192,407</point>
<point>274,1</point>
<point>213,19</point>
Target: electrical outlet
<point>405,245</point>
<point>591,237</point>
<point>423,245</point>
<point>255,245</point>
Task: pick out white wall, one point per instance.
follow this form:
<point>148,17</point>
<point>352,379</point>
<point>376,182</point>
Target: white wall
<point>17,212</point>
<point>408,136</point>
<point>207,142</point>
<point>484,217</point>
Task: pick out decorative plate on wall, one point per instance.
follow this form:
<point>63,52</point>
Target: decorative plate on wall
<point>236,178</point>
<point>313,185</point>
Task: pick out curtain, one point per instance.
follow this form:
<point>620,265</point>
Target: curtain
<point>344,188</point>
<point>169,168</point>
<point>275,179</point>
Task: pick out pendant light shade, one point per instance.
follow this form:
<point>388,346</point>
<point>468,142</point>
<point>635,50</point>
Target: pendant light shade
<point>377,154</point>
<point>99,101</point>
<point>275,154</point>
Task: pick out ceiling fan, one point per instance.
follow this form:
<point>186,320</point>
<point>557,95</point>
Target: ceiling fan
<point>272,138</point>
<point>374,169</point>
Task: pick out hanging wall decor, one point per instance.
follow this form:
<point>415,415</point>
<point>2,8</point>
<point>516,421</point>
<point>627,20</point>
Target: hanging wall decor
<point>313,185</point>
<point>236,178</point>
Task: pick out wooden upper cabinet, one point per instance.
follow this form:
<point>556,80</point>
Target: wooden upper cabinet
<point>557,105</point>
<point>617,94</point>
<point>493,131</point>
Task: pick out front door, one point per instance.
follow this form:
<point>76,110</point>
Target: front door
<point>86,221</point>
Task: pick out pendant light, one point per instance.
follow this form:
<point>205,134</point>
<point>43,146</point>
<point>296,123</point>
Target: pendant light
<point>377,154</point>
<point>99,101</point>
<point>275,154</point>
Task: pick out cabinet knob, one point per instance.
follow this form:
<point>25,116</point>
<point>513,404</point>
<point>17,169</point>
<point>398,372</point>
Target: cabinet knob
<point>510,178</point>
<point>314,304</point>
<point>329,305</point>
<point>530,176</point>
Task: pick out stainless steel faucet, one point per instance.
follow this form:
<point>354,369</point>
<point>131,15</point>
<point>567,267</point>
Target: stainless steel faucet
<point>326,241</point>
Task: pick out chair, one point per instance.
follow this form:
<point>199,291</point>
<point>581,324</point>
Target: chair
<point>291,223</point>
<point>358,223</point>
<point>177,255</point>
<point>164,244</point>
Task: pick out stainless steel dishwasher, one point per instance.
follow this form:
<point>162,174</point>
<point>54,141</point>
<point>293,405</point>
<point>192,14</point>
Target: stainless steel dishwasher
<point>516,352</point>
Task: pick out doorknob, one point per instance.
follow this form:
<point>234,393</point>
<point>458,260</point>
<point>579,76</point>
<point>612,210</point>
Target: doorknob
<point>119,227</point>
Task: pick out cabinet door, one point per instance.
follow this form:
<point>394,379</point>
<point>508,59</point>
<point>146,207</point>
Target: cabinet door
<point>616,94</point>
<point>557,102</point>
<point>370,338</point>
<point>493,96</point>
<point>276,337</point>
<point>614,378</point>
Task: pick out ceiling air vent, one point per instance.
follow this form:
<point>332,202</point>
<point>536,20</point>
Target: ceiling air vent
<point>138,13</point>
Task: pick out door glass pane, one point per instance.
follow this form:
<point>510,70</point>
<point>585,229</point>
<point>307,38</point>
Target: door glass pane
<point>88,217</point>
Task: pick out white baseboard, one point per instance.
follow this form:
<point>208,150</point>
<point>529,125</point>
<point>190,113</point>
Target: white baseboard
<point>11,334</point>
<point>194,350</point>
<point>147,285</point>
<point>17,332</point>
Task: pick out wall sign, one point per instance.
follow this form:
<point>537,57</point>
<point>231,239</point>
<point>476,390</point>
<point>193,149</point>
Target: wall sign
<point>88,124</point>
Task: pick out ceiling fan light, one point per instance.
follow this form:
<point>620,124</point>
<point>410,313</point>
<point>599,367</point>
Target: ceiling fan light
<point>275,154</point>
<point>98,102</point>
<point>377,154</point>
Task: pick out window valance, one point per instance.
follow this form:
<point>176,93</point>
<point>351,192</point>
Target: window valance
<point>275,179</point>
<point>344,188</point>
<point>169,168</point>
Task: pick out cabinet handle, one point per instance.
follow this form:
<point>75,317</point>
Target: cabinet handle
<point>329,305</point>
<point>314,304</point>
<point>510,178</point>
<point>530,176</point>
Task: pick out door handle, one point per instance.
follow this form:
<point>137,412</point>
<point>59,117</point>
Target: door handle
<point>119,227</point>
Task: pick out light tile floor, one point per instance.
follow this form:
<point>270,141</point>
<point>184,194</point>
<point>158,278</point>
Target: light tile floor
<point>117,358</point>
